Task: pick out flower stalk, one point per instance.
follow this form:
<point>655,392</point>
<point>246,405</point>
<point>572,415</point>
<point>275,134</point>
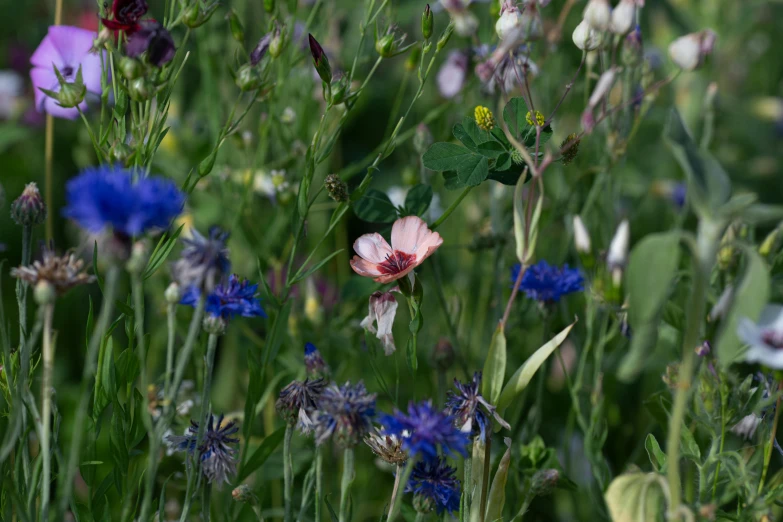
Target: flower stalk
<point>771,444</point>
<point>349,474</point>
<point>288,471</point>
<point>46,410</point>
<point>396,500</point>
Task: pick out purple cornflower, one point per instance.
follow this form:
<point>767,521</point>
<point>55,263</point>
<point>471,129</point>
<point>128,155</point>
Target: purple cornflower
<point>314,362</point>
<point>679,194</point>
<point>228,299</point>
<point>203,261</point>
<point>297,402</point>
<point>345,412</point>
<point>67,48</point>
<point>105,196</point>
<point>434,485</point>
<point>424,429</point>
<point>548,283</point>
<point>464,406</point>
<point>218,458</point>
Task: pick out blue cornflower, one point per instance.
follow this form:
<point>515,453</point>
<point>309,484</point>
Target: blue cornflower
<point>218,458</point>
<point>345,412</point>
<point>679,194</point>
<point>298,401</point>
<point>314,362</point>
<point>105,196</point>
<point>228,299</point>
<point>464,406</point>
<point>425,429</point>
<point>203,261</point>
<point>548,283</point>
<point>434,485</point>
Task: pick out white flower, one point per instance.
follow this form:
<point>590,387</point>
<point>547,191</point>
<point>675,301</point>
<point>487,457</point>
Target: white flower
<point>618,248</point>
<point>509,21</point>
<point>581,236</point>
<point>382,309</point>
<point>765,338</point>
<point>585,37</point>
<point>598,14</point>
<point>623,17</point>
<point>746,428</point>
<point>688,52</point>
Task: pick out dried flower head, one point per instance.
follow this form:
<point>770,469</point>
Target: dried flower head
<point>204,260</point>
<point>62,272</point>
<point>570,148</point>
<point>382,310</point>
<point>387,447</point>
<point>297,402</point>
<point>336,188</point>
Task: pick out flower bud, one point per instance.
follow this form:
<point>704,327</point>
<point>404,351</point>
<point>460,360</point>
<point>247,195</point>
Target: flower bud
<point>44,292</point>
<point>689,52</point>
<point>71,94</point>
<point>422,139</point>
<point>618,248</point>
<point>277,44</point>
<point>243,493</point>
<point>120,152</point>
<point>207,164</point>
<point>633,50</point>
<point>214,324</point>
<point>173,294</point>
<point>339,90</point>
<point>602,87</point>
<point>413,59</point>
<point>545,481</point>
<point>623,17</point>
<point>427,22</point>
<point>131,68</point>
<point>29,208</point>
<point>510,21</point>
<point>260,50</point>
<point>581,236</point>
<point>385,45</point>
<point>269,6</point>
<point>320,60</point>
<point>444,38</point>
<point>442,356</point>
<point>336,188</point>
<point>585,37</point>
<point>598,14</point>
<point>138,258</point>
<point>769,243</point>
<point>196,17</point>
<point>237,31</point>
<point>141,89</point>
<point>248,78</point>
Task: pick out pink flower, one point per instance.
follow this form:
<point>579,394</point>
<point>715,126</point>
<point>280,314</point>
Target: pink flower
<point>382,309</point>
<point>411,243</point>
<point>66,48</point>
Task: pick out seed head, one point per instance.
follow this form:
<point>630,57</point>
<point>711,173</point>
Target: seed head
<point>336,188</point>
<point>570,148</point>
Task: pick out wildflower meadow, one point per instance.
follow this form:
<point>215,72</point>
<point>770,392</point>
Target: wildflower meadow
<point>385,260</point>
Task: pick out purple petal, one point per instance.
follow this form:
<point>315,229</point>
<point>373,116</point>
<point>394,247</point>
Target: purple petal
<point>73,43</point>
<point>47,54</point>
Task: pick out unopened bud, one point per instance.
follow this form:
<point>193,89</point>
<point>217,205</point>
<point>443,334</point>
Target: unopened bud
<point>769,243</point>
<point>385,45</point>
<point>509,22</point>
<point>248,78</point>
<point>131,68</point>
<point>689,52</point>
<point>602,87</point>
<point>336,188</point>
<point>413,59</point>
<point>196,17</point>
<point>585,37</point>
<point>237,31</point>
<point>570,148</point>
<point>138,258</point>
<point>243,493</point>
<point>44,292</point>
<point>427,21</point>
<point>207,164</point>
<point>444,39</point>
<point>214,324</point>
<point>141,89</point>
<point>422,139</point>
<point>545,481</point>
<point>598,14</point>
<point>320,60</point>
<point>260,50</point>
<point>29,208</point>
<point>269,5</point>
<point>618,248</point>
<point>339,90</point>
<point>623,17</point>
<point>633,50</point>
<point>277,44</point>
<point>71,94</point>
<point>173,294</point>
<point>120,152</point>
<point>581,236</point>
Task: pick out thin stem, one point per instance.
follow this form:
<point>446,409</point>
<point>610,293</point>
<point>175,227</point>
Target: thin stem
<point>288,472</point>
<point>420,516</point>
<point>396,501</point>
<point>48,167</point>
<point>88,373</point>
<point>141,353</point>
<point>771,444</point>
<point>171,314</point>
<point>46,410</point>
<point>451,208</point>
<point>723,401</point>
<point>514,291</point>
<point>209,362</point>
<point>21,286</point>
<point>396,489</point>
<point>345,487</point>
<point>485,482</point>
<point>467,464</point>
<point>319,481</point>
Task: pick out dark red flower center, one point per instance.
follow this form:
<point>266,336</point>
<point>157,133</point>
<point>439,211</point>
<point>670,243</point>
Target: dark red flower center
<point>396,262</point>
<point>773,338</point>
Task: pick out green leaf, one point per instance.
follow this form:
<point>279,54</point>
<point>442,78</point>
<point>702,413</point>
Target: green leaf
<point>375,207</point>
<point>316,267</point>
<point>275,337</point>
<point>708,185</point>
<point>525,373</point>
<point>633,497</point>
<point>451,181</point>
<point>654,452</point>
<point>690,449</point>
<point>161,252</point>
<point>514,115</point>
<point>260,455</point>
<point>473,170</point>
<point>418,200</point>
<point>332,513</point>
<point>477,135</point>
<point>11,134</point>
<point>497,492</point>
<point>750,295</point>
<point>525,251</point>
<point>509,176</point>
<point>491,149</point>
<point>462,135</point>
<point>445,156</point>
<point>494,367</point>
<point>651,268</point>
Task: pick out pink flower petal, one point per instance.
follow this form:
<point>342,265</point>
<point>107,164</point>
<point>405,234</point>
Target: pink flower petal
<point>428,246</point>
<point>364,268</point>
<point>408,234</point>
<point>372,247</point>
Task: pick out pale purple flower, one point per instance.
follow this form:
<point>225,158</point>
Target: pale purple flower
<point>66,48</point>
<point>452,74</point>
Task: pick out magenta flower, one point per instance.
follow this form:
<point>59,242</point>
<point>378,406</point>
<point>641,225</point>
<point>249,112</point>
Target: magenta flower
<point>66,48</point>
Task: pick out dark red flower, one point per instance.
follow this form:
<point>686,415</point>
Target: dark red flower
<point>155,40</point>
<point>126,15</point>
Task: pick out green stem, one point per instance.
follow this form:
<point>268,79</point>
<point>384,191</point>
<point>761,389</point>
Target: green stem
<point>21,286</point>
<point>485,482</point>
<point>209,362</point>
<point>345,487</point>
<point>396,500</point>
<point>420,516</point>
<point>771,444</point>
<point>141,353</point>
<point>46,410</point>
<point>288,472</point>
<point>319,481</point>
<point>451,208</point>
<point>467,464</point>
<point>171,314</point>
<point>723,403</point>
<point>88,373</point>
<point>396,489</point>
